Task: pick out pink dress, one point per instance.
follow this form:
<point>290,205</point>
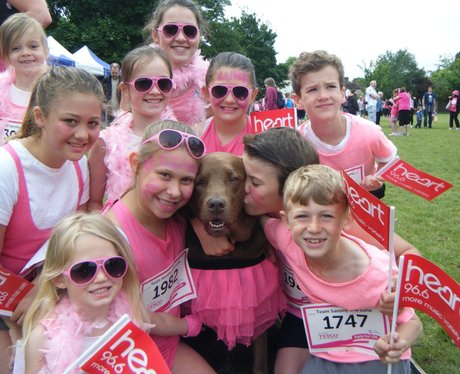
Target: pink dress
<point>11,114</point>
<point>213,143</point>
<point>361,292</point>
<point>18,248</point>
<point>241,303</point>
<point>186,100</point>
<point>120,141</point>
<point>152,256</point>
<point>363,145</point>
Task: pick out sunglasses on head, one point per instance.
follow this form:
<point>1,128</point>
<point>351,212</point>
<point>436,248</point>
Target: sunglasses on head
<point>220,91</point>
<point>170,30</point>
<point>145,84</point>
<point>84,272</point>
<point>170,139</point>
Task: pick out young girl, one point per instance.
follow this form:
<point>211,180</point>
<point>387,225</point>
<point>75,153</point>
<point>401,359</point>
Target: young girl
<point>43,172</point>
<point>146,87</point>
<point>164,171</point>
<point>231,88</point>
<point>334,268</point>
<point>87,283</point>
<point>176,26</point>
<point>24,49</point>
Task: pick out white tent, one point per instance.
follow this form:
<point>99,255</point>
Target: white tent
<point>58,55</point>
<point>86,59</point>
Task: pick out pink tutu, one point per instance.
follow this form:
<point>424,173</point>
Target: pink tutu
<point>239,304</point>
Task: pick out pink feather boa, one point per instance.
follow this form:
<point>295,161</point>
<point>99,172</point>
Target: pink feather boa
<point>120,141</point>
<point>66,332</point>
<point>186,100</point>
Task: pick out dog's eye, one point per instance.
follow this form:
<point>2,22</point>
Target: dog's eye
<point>234,179</point>
<point>200,182</point>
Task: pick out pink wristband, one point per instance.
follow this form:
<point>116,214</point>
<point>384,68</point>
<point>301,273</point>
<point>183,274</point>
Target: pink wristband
<point>194,325</point>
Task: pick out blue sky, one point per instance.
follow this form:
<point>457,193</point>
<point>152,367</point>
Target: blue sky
<point>358,31</point>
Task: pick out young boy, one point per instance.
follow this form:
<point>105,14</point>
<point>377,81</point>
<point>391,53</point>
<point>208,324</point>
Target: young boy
<point>419,117</point>
<point>335,268</point>
<point>343,141</point>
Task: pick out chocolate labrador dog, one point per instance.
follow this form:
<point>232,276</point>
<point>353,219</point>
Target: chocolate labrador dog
<point>217,203</point>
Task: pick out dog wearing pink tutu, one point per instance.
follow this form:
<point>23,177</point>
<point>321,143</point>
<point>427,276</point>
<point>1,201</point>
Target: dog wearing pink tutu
<point>238,294</point>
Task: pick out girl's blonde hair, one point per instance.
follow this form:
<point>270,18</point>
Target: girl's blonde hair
<point>14,29</point>
<point>54,85</point>
<point>141,55</point>
<point>60,248</point>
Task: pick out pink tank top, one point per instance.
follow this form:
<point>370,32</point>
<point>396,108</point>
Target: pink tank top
<point>213,143</point>
<point>153,255</point>
<point>19,248</point>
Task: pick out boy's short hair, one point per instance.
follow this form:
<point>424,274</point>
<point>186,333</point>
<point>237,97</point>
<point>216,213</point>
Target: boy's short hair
<point>320,183</point>
<point>314,61</point>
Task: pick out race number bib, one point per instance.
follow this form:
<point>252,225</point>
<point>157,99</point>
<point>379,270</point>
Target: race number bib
<point>11,127</point>
<point>172,287</point>
<point>290,287</point>
<point>333,328</point>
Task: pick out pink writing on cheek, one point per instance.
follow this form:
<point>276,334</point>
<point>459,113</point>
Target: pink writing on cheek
<point>233,75</point>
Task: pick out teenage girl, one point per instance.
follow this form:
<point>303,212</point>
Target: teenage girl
<point>146,88</point>
<point>24,50</point>
<point>43,172</point>
<point>164,170</point>
<point>176,26</point>
<point>230,88</point>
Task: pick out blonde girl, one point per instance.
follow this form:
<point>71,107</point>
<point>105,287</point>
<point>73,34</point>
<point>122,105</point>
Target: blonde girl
<point>230,88</point>
<point>43,172</point>
<point>176,27</point>
<point>164,171</point>
<point>87,283</point>
<point>24,49</point>
<point>146,87</point>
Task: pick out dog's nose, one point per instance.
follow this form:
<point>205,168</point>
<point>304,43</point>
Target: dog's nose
<point>216,205</point>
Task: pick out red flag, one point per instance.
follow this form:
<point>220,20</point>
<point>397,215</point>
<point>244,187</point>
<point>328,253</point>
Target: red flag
<point>124,348</point>
<point>13,288</point>
<point>261,121</point>
<point>426,287</point>
<point>370,213</point>
<point>404,175</point>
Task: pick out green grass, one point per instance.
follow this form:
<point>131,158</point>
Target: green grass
<point>433,227</point>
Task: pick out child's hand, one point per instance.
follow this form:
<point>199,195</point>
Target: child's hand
<point>372,182</point>
<point>23,306</point>
<point>390,354</point>
<point>212,246</point>
<point>386,303</point>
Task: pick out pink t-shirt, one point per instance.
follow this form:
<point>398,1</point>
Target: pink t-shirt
<point>363,145</point>
<point>152,256</point>
<point>362,292</point>
<point>213,143</point>
<point>404,101</point>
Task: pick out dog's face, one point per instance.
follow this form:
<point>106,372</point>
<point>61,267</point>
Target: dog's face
<point>219,193</point>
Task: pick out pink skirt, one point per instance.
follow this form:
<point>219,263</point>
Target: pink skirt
<point>239,304</point>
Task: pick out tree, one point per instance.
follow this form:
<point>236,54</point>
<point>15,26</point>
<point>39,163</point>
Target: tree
<point>447,77</point>
<point>393,70</point>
